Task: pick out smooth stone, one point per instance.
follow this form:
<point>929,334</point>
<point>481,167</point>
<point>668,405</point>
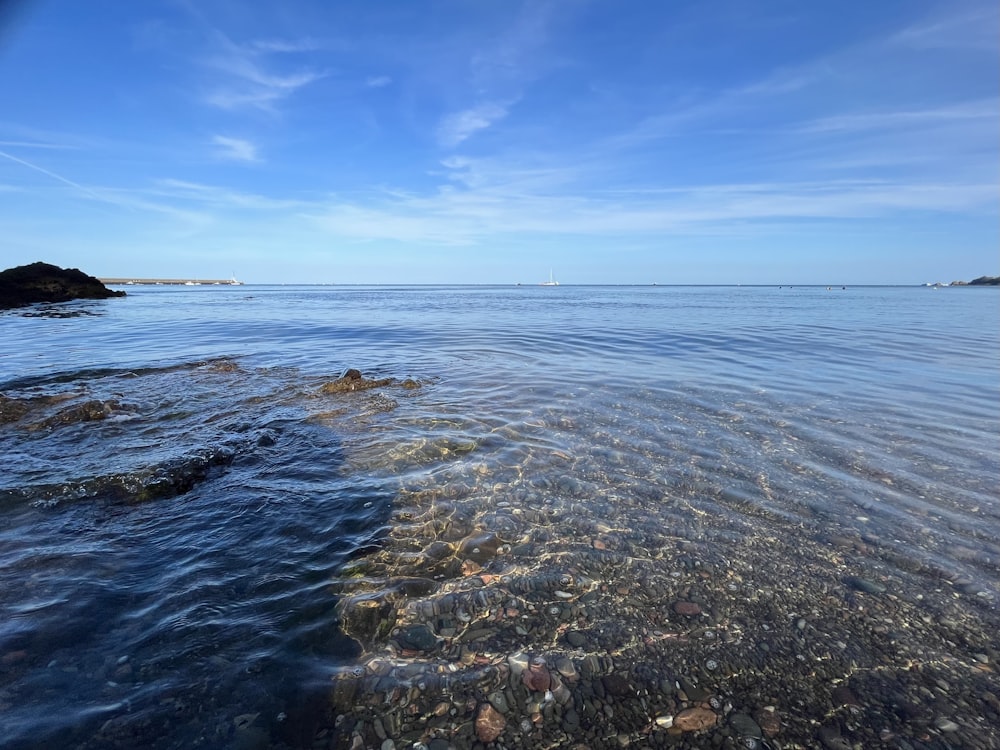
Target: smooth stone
<point>616,684</point>
<point>490,723</point>
<point>571,720</point>
<point>863,584</point>
<point>417,638</point>
<point>566,668</point>
<point>695,719</point>
<point>687,609</point>
<point>499,701</point>
<point>843,696</point>
<point>745,726</point>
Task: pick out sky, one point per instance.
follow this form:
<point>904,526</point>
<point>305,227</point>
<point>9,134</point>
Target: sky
<point>497,141</point>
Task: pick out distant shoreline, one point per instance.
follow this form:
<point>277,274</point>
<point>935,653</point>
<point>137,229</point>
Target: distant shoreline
<point>123,281</point>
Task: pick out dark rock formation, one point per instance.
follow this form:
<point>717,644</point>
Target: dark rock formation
<point>986,281</point>
<point>43,282</point>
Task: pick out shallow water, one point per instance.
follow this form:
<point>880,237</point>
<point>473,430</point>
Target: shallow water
<point>188,521</point>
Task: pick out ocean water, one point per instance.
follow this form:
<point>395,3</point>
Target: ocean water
<point>200,546</point>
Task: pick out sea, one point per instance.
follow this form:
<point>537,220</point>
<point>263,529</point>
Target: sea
<point>210,537</point>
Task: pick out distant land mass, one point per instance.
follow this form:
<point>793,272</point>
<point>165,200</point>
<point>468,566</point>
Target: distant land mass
<point>981,281</point>
<point>44,282</point>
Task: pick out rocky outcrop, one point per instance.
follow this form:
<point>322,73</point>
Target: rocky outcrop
<point>353,380</point>
<point>44,282</point>
<point>986,281</point>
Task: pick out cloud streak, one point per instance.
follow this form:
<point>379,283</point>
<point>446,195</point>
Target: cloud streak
<point>248,83</point>
<point>48,173</point>
<point>986,110</point>
<point>235,149</point>
<point>455,217</point>
<point>459,126</point>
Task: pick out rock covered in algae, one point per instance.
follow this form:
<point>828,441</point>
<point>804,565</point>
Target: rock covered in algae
<point>353,380</point>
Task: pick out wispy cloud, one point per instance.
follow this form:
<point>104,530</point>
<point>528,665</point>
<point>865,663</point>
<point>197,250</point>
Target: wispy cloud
<point>286,45</point>
<point>256,74</point>
<point>377,82</point>
<point>458,126</point>
<point>985,110</point>
<point>498,72</point>
<point>971,29</point>
<point>214,196</point>
<point>247,82</point>
<point>463,217</point>
<point>34,144</point>
<point>235,149</point>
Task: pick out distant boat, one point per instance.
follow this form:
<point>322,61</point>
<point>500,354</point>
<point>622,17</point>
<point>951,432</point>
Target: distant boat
<point>551,281</point>
<point>234,282</point>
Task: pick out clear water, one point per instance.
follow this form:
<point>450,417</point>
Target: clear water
<point>181,558</point>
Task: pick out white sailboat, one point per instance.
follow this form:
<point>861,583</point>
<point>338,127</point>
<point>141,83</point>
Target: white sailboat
<point>551,281</point>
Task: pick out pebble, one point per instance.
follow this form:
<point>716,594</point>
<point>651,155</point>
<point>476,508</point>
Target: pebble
<point>769,721</point>
<point>417,638</point>
<point>688,609</point>
<point>566,668</point>
<point>499,701</point>
<point>571,720</point>
<point>616,684</point>
<point>745,726</point>
<point>842,696</point>
<point>695,719</point>
<point>863,584</point>
<point>946,725</point>
<point>537,678</point>
<point>490,723</point>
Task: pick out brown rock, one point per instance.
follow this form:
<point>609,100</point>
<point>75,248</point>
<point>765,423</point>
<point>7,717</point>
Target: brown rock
<point>536,677</point>
<point>768,721</point>
<point>842,696</point>
<point>688,609</point>
<point>352,380</point>
<point>471,567</point>
<point>695,719</point>
<point>489,723</point>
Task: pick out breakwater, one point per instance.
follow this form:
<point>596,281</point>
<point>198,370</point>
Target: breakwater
<point>128,281</point>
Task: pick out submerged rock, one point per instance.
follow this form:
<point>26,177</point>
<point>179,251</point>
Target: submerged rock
<point>489,723</point>
<point>89,411</point>
<point>695,719</point>
<point>44,282</point>
<point>353,380</point>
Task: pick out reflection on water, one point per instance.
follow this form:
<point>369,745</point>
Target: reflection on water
<point>670,517</point>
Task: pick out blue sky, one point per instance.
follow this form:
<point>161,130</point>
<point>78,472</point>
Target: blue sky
<point>489,141</point>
